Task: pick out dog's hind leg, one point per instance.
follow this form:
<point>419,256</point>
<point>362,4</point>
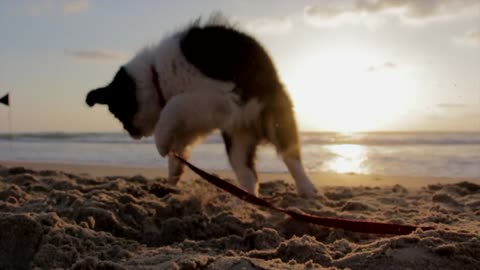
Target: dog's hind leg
<point>282,132</point>
<point>241,147</point>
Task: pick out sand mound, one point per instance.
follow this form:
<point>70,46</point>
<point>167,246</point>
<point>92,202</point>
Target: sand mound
<point>51,219</point>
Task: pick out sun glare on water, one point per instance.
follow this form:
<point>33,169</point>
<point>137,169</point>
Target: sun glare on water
<point>348,91</point>
<point>349,158</point>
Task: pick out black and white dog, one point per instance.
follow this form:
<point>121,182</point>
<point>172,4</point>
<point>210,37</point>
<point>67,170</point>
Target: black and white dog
<point>203,78</point>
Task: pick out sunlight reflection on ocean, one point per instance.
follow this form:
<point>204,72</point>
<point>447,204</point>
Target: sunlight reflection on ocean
<point>350,158</point>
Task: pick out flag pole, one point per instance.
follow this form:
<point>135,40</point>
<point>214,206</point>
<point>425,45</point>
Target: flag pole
<point>10,122</point>
<point>10,128</point>
<point>6,100</point>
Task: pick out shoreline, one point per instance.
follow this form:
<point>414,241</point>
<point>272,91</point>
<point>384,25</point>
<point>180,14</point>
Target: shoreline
<point>321,179</point>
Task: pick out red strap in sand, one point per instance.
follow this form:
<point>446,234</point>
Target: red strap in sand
<point>350,225</point>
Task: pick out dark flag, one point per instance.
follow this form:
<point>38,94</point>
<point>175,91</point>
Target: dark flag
<point>5,100</point>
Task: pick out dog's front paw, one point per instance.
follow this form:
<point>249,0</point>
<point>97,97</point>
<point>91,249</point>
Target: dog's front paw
<point>307,190</point>
<point>163,143</point>
<point>163,151</point>
<point>173,180</point>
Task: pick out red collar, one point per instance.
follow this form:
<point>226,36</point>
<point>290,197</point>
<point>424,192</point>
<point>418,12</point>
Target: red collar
<point>156,82</point>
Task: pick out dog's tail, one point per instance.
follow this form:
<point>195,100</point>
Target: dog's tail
<point>280,126</point>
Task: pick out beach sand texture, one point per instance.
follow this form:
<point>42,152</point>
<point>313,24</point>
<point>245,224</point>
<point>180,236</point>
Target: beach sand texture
<point>51,219</point>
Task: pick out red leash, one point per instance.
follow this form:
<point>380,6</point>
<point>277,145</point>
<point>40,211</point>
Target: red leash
<point>350,225</point>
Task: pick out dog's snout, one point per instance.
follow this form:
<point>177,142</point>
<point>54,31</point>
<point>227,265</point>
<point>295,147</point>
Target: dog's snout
<point>90,99</point>
<point>132,130</point>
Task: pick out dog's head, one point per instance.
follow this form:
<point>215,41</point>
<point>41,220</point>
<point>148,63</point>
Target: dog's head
<point>124,101</point>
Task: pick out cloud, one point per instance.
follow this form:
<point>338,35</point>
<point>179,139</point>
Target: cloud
<point>415,9</point>
<point>99,55</point>
<point>75,6</point>
<point>470,39</point>
<point>269,25</point>
<point>454,106</point>
<point>36,8</point>
<point>409,11</point>
<point>48,7</point>
<point>331,15</point>
<point>384,66</point>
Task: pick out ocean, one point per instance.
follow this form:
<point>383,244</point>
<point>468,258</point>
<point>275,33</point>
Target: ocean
<point>382,153</point>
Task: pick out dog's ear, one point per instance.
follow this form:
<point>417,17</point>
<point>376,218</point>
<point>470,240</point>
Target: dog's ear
<point>100,96</point>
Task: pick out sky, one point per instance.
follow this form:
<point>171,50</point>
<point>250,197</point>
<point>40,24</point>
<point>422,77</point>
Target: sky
<point>349,65</point>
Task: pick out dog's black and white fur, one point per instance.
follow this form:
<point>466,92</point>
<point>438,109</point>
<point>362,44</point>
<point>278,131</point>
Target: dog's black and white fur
<point>203,78</point>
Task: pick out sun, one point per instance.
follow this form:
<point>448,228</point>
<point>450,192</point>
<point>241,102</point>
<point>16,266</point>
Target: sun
<point>343,90</point>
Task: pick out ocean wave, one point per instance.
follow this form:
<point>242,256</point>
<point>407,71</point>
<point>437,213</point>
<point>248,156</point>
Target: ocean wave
<point>310,138</point>
<point>417,138</point>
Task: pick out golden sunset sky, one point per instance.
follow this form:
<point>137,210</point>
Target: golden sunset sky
<point>353,65</point>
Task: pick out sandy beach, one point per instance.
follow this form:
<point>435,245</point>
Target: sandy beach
<point>56,216</point>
